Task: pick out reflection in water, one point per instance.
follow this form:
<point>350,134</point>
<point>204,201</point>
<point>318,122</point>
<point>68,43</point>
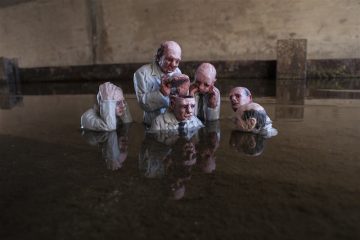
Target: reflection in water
<point>10,95</point>
<point>173,156</point>
<point>10,91</point>
<point>292,93</point>
<point>40,143</point>
<point>114,145</point>
<point>209,140</point>
<point>247,143</point>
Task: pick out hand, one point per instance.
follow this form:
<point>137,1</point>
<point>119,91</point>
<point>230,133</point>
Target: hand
<point>214,96</point>
<point>165,87</point>
<point>193,89</point>
<point>109,91</point>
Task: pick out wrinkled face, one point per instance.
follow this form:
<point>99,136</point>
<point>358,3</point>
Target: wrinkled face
<point>170,60</point>
<point>184,108</point>
<point>120,103</point>
<point>238,97</point>
<point>204,82</point>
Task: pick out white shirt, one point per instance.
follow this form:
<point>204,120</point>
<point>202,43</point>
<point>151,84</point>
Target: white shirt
<point>147,80</point>
<point>104,118</point>
<point>209,114</point>
<point>167,121</point>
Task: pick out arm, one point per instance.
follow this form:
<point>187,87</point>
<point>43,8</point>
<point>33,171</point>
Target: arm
<point>149,99</point>
<point>213,106</point>
<point>126,117</point>
<point>105,122</point>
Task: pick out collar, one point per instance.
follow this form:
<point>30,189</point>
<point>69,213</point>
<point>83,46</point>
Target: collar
<point>155,70</point>
<point>169,117</point>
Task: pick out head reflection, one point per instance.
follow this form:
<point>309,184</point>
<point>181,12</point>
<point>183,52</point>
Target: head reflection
<point>247,143</point>
<point>169,155</point>
<point>114,145</point>
<point>209,139</point>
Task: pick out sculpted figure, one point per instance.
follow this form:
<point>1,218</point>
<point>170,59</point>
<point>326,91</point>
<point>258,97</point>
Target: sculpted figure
<point>178,117</point>
<point>250,116</point>
<point>207,96</point>
<point>151,81</point>
<point>110,110</point>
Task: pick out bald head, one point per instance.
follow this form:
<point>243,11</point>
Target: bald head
<point>168,56</point>
<point>205,77</point>
<point>239,96</point>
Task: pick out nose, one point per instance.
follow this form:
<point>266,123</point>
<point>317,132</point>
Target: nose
<point>232,98</point>
<point>189,109</point>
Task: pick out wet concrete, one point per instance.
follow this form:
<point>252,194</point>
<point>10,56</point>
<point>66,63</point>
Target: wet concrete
<point>57,182</point>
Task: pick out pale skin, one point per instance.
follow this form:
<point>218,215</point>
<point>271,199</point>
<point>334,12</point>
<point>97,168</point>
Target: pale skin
<point>109,91</point>
<point>168,63</point>
<point>205,78</point>
<point>181,82</point>
<point>238,97</point>
<point>249,124</point>
<point>183,108</point>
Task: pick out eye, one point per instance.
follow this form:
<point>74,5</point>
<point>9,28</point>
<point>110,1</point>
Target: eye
<point>192,105</point>
<point>206,85</point>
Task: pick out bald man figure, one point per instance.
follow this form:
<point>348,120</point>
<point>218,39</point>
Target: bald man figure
<point>250,116</point>
<point>239,96</point>
<point>207,96</point>
<point>151,81</point>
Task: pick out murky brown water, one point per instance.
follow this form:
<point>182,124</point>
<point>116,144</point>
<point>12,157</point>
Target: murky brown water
<point>57,182</point>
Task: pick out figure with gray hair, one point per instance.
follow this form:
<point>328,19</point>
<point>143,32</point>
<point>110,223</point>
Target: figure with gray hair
<point>207,96</point>
<point>152,81</point>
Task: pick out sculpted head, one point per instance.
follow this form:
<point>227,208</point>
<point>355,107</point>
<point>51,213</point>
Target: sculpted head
<point>205,77</point>
<point>239,96</point>
<point>180,84</point>
<point>182,107</point>
<point>250,117</point>
<point>168,56</point>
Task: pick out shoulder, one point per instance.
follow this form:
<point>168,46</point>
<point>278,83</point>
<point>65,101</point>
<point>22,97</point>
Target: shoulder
<point>144,69</point>
<point>195,122</point>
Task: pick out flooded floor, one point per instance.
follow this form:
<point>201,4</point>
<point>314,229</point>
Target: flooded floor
<point>57,182</point>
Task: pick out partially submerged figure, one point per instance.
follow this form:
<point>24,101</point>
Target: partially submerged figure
<point>179,116</point>
<point>207,96</point>
<point>151,81</point>
<point>110,110</point>
<point>250,116</point>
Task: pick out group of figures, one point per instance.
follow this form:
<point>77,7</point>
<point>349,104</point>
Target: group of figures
<point>171,102</point>
<point>181,119</point>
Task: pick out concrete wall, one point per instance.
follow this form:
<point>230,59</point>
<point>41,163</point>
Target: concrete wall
<point>82,32</point>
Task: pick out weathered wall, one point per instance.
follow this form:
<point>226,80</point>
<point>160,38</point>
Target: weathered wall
<point>81,32</point>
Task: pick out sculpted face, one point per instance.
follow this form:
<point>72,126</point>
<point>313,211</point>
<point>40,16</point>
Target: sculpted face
<point>205,77</point>
<point>184,108</point>
<point>239,96</point>
<point>171,58</point>
<point>120,103</point>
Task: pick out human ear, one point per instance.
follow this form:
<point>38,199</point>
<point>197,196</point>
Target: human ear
<point>251,123</point>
